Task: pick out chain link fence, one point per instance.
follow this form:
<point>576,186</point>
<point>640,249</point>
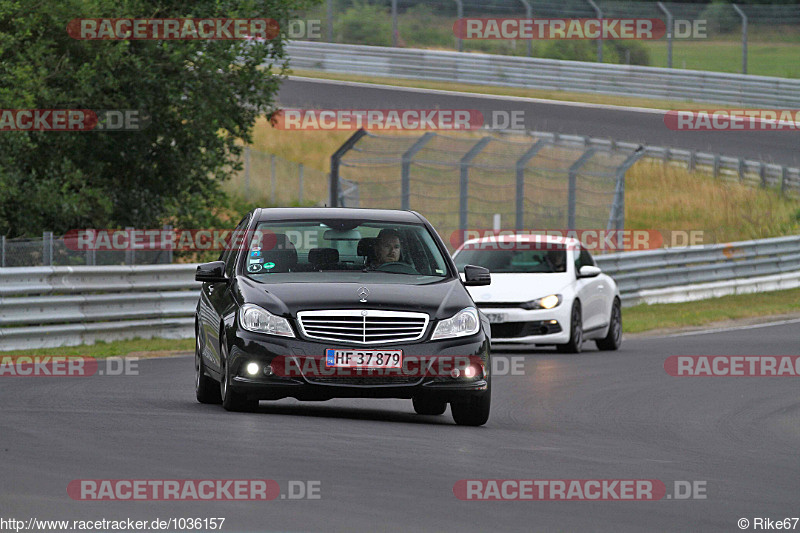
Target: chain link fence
<point>752,38</point>
<point>489,181</point>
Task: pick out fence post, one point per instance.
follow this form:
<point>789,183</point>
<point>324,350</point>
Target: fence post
<point>528,15</point>
<point>3,247</point>
<point>599,13</point>
<point>247,170</point>
<point>521,164</point>
<point>573,178</point>
<point>130,253</point>
<point>405,169</point>
<point>744,37</point>
<point>464,189</point>
<point>335,160</point>
<point>272,176</point>
<point>168,228</point>
<point>617,215</point>
<point>664,10</point>
<point>300,180</point>
<point>47,248</point>
<point>460,15</point>
<point>394,23</point>
<point>330,21</point>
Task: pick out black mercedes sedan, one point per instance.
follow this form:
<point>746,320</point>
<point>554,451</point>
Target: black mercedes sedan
<point>321,303</point>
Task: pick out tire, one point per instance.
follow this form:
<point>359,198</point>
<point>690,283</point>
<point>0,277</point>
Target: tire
<point>473,412</point>
<point>429,406</point>
<point>575,331</point>
<point>613,340</point>
<point>205,388</point>
<point>231,400</point>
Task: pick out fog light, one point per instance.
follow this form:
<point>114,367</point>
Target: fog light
<point>268,370</point>
<point>470,371</point>
<point>455,373</point>
<point>252,369</point>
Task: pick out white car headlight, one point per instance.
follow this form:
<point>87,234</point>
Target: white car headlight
<point>547,302</point>
<point>463,323</point>
<point>254,318</point>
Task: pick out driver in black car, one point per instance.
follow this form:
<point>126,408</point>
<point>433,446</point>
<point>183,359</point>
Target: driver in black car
<point>387,248</point>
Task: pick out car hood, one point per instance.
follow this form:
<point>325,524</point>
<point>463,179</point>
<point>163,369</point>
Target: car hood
<point>520,287</point>
<point>440,299</point>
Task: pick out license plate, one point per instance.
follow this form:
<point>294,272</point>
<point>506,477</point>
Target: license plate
<point>495,317</point>
<point>363,358</point>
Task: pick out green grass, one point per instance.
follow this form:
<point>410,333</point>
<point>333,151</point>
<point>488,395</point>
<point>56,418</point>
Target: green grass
<point>645,317</point>
<point>778,59</point>
<point>99,350</point>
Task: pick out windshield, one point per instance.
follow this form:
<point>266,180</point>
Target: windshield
<point>343,251</point>
<point>514,261</point>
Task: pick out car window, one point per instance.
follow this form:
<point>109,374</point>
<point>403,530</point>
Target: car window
<point>234,244</point>
<point>544,261</point>
<point>584,259</point>
<point>343,250</point>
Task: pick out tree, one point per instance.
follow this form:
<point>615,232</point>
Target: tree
<point>202,97</point>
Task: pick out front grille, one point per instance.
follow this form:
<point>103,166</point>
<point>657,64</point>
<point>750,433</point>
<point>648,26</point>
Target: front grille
<point>367,326</point>
<point>511,330</point>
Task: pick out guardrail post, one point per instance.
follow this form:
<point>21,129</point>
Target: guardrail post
<point>599,13</point>
<point>762,173</point>
<point>744,37</point>
<point>784,176</point>
<point>741,169</point>
<point>405,169</point>
<point>521,164</point>
<point>716,166</point>
<point>272,176</point>
<point>573,178</point>
<point>335,160</point>
<point>529,15</point>
<point>460,15</point>
<point>664,9</point>
<point>692,160</point>
<point>463,198</point>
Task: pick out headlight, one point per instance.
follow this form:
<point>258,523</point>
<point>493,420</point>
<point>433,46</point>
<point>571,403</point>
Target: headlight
<point>253,318</point>
<point>548,302</point>
<point>464,323</point>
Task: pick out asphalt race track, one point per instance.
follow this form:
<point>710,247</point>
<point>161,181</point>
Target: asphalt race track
<point>597,415</point>
<point>608,122</point>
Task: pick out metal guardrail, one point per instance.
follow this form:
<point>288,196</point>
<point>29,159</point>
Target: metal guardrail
<point>727,168</point>
<point>547,74</point>
<point>47,307</point>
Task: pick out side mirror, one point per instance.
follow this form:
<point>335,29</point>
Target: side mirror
<point>588,271</point>
<point>475,276</point>
<point>213,272</point>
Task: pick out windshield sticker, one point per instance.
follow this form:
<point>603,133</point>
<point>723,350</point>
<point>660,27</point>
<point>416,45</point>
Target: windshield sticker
<point>269,265</point>
<point>254,268</point>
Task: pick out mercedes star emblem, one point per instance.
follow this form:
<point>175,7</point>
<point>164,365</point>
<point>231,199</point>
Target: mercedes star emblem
<point>363,292</point>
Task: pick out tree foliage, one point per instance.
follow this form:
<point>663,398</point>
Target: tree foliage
<point>202,97</point>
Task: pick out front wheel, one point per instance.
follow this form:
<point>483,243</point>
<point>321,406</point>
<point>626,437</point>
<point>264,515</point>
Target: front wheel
<point>575,332</point>
<point>613,339</point>
<point>473,411</point>
<point>231,400</point>
<point>205,388</point>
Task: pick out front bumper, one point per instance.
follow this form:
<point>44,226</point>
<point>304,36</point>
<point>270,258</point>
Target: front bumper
<point>247,347</point>
<point>522,326</point>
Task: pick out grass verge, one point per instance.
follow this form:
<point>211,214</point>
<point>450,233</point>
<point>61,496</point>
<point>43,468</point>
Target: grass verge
<point>645,317</point>
<point>100,350</point>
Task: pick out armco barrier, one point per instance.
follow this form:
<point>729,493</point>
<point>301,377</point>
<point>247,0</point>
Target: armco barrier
<point>547,74</point>
<point>44,307</point>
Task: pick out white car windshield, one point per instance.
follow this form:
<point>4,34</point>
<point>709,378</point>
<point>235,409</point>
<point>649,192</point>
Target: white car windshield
<point>514,261</point>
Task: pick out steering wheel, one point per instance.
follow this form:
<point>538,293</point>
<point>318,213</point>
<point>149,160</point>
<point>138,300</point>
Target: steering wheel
<point>398,268</point>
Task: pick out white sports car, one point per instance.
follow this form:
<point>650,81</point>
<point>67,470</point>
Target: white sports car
<point>545,290</point>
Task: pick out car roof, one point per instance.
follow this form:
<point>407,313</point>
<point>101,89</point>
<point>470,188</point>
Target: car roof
<point>337,213</point>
